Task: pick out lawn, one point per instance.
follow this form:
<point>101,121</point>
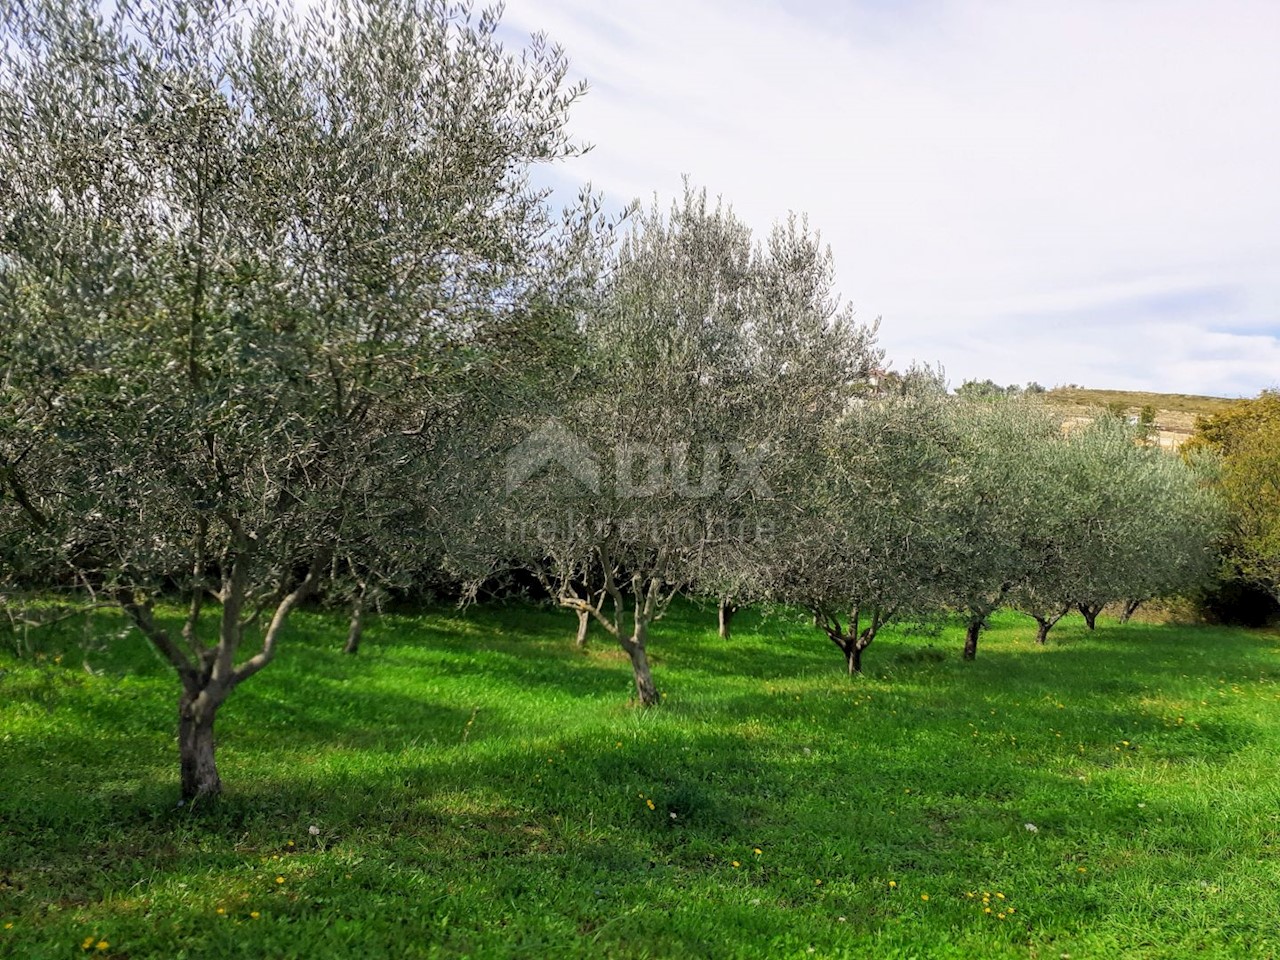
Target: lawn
<point>478,788</point>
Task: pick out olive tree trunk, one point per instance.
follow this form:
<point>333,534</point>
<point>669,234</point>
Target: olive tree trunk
<point>727,609</point>
<point>1090,613</point>
<point>646,691</point>
<point>1043,626</point>
<point>851,637</point>
<point>971,638</point>
<point>197,765</point>
<point>1046,622</point>
<point>625,614</point>
<point>208,673</point>
<point>355,630</point>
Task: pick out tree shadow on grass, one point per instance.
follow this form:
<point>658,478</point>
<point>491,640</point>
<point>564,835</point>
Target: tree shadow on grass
<point>533,829</point>
<point>501,841</point>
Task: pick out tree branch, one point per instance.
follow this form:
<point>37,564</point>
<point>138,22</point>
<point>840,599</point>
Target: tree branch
<point>141,615</point>
<point>272,636</point>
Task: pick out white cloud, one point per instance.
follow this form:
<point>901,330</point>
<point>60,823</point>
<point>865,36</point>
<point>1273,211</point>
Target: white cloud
<point>1002,181</point>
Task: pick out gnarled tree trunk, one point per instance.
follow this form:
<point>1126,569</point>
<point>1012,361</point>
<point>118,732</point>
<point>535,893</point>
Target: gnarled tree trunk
<point>208,674</point>
<point>355,631</point>
<point>584,622</point>
<point>1130,608</point>
<point>971,638</point>
<point>727,609</point>
<point>646,691</point>
<point>613,605</point>
<point>854,639</point>
<point>1046,622</point>
<point>1090,613</point>
<point>196,761</point>
<point>853,657</point>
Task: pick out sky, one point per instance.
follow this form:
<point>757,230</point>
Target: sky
<point>1082,191</point>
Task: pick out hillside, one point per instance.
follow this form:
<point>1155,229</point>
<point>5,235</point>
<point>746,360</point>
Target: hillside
<point>1176,413</point>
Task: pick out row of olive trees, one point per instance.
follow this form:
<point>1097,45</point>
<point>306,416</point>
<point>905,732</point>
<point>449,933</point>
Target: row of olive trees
<point>279,319</point>
<point>910,505</point>
<point>946,505</point>
<point>725,438</point>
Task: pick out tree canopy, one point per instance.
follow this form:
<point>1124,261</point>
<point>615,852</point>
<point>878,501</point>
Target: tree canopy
<point>254,272</point>
<point>1247,437</point>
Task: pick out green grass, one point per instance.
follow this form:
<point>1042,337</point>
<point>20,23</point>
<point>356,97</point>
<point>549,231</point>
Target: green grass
<point>482,790</point>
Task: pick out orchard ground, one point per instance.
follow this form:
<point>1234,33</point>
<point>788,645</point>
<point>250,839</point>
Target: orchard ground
<point>470,785</point>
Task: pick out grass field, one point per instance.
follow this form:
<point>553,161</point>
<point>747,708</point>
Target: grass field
<point>482,790</point>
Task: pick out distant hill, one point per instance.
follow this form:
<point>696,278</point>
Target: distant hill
<point>1176,413</point>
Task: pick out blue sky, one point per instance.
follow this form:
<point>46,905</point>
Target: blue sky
<point>1068,192</point>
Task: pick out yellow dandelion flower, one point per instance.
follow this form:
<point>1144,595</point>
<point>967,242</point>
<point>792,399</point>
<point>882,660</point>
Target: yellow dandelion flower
<point>650,803</point>
<point>279,879</point>
<point>757,851</point>
<point>8,926</point>
<point>221,911</point>
<point>102,945</point>
<point>88,942</point>
<point>1000,896</point>
<point>736,864</point>
<point>817,883</point>
<point>986,909</point>
<point>924,896</point>
<point>1082,869</point>
<point>1000,915</point>
<point>893,884</point>
<point>1011,910</point>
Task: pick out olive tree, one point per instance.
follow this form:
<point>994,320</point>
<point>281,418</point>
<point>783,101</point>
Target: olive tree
<point>1183,523</point>
<point>1147,520</point>
<point>1120,520</point>
<point>706,352</point>
<point>255,267</point>
<point>993,503</point>
<point>863,538</point>
<point>1251,484</point>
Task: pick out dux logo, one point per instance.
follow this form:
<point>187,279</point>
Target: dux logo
<point>550,445</point>
<point>640,469</point>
